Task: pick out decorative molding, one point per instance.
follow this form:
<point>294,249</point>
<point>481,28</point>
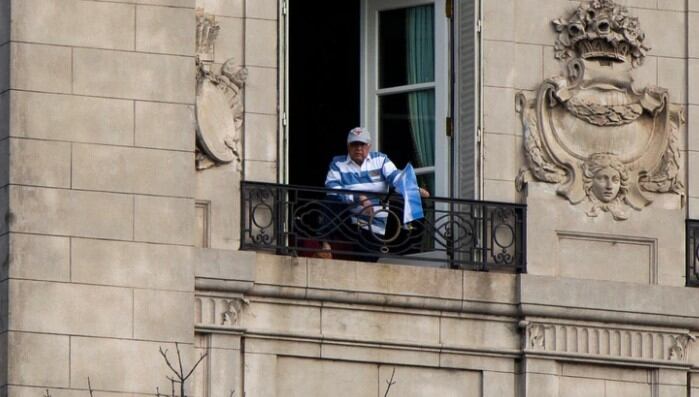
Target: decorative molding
<point>223,312</point>
<point>601,342</point>
<point>592,132</point>
<point>219,101</point>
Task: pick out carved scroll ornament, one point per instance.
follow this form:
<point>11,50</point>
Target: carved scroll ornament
<point>219,103</point>
<point>592,132</point>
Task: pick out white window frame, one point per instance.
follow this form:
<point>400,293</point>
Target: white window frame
<point>369,91</point>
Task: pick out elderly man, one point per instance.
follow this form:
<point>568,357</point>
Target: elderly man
<point>365,171</point>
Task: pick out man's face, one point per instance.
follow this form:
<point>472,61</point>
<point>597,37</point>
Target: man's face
<point>358,151</point>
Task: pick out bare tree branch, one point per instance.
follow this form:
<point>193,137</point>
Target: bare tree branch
<point>195,366</point>
<point>47,394</point>
<point>179,377</point>
<point>89,386</point>
<point>167,361</point>
<point>390,382</point>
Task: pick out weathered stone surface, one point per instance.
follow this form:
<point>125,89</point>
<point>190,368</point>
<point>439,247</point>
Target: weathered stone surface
<point>164,220</point>
<point>74,23</point>
<point>281,270</point>
<point>38,359</point>
<point>230,43</point>
<point>163,315</point>
<point>139,364</point>
<point>305,377</point>
<point>261,90</point>
<point>261,40</point>
<point>417,382</point>
<point>482,333</point>
<point>221,187</point>
<point>72,118</point>
<point>231,8</point>
<point>672,74</point>
<point>262,316</point>
<point>256,372</point>
<point>70,212</point>
<point>164,30</point>
<point>164,126</point>
<point>419,357</point>
<point>379,326</point>
<point>133,75</point>
<point>132,170</point>
<point>40,68</point>
<point>129,264</point>
<point>46,163</point>
<point>260,171</point>
<point>38,257</point>
<point>40,306</point>
<point>261,9</point>
<point>500,157</point>
<point>261,137</point>
<point>665,31</point>
<point>497,384</point>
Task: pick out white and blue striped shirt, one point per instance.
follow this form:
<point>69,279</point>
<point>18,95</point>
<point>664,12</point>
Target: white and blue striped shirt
<point>375,174</point>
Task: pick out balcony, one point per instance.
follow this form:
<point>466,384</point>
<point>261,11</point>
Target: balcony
<point>310,221</point>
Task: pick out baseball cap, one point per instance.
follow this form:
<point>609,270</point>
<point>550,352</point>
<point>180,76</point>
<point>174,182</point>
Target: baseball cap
<point>359,134</point>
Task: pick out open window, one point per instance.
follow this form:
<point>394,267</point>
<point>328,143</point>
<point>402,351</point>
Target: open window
<point>383,64</point>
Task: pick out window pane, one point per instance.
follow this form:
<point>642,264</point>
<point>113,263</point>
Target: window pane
<point>406,46</point>
<point>406,126</point>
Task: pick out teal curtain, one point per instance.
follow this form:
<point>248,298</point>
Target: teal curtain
<point>420,57</point>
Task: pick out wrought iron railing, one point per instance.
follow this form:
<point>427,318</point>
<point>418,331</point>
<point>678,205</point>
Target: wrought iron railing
<point>308,221</point>
<point>692,253</point>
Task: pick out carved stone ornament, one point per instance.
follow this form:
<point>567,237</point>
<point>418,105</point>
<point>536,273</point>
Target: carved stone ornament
<point>219,105</point>
<point>207,31</point>
<point>595,134</point>
<point>219,311</point>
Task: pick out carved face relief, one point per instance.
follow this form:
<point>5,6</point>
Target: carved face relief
<point>605,184</point>
<point>590,131</point>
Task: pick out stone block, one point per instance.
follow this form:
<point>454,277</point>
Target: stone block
<point>38,359</point>
<point>173,3</point>
<point>476,362</point>
<point>693,5</point>
<point>489,287</point>
<point>261,137</point>
<point>647,74</point>
<point>230,42</point>
<point>418,382</point>
<point>606,372</point>
<point>164,220</point>
<point>40,306</point>
<point>380,355</point>
<point>384,279</point>
<point>530,66</point>
<point>71,213</point>
<point>163,315</point>
<point>39,257</point>
<point>503,191</point>
<point>74,23</point>
<point>40,163</point>
<point>693,162</point>
<point>582,387</point>
<point>129,264</point>
<point>40,68</point>
<point>306,377</point>
<point>499,20</point>
<point>552,66</point>
<point>229,8</point>
<point>624,389</point>
<point>693,81</point>
<point>165,126</point>
<point>498,384</point>
<point>72,118</point>
<point>221,187</point>
<point>4,67</point>
<point>532,19</point>
<point>261,40</point>
<point>499,111</point>
<point>284,348</point>
<point>256,374</point>
<point>261,9</point>
<point>131,75</point>
<point>223,264</point>
<point>665,32</point>
<point>140,366</point>
<point>380,326</point>
<point>499,153</point>
<point>225,373</point>
<point>692,34</point>
<point>260,171</point>
<point>166,30</point>
<point>133,170</point>
<point>282,318</point>
<point>481,333</point>
<point>281,270</point>
<point>672,74</point>
<point>261,91</point>
<point>693,204</point>
<point>499,63</point>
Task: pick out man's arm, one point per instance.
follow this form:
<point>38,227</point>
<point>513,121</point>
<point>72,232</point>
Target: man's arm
<point>334,181</point>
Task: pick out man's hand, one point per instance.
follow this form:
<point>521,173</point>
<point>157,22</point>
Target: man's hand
<point>424,193</point>
<point>367,204</point>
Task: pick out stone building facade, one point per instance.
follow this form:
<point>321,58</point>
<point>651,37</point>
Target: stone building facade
<point>127,127</point>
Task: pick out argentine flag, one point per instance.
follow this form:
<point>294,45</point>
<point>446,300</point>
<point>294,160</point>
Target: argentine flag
<point>406,184</point>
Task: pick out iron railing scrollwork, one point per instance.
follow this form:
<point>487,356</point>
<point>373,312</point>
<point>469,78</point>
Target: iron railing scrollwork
<point>692,253</point>
<point>305,221</point>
